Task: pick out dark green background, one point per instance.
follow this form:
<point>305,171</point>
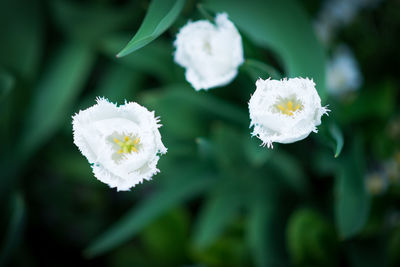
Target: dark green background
<point>220,199</point>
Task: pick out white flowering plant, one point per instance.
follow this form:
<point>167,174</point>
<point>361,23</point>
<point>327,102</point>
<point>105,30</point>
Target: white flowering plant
<point>211,54</point>
<point>122,143</point>
<point>285,111</point>
<point>282,149</point>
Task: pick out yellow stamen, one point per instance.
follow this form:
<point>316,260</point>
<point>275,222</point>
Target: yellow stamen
<point>290,105</point>
<point>128,145</point>
<point>281,108</point>
<point>287,107</point>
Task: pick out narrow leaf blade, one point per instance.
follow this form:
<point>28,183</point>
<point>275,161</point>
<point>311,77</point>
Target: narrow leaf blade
<point>352,203</point>
<point>50,106</point>
<point>55,94</point>
<point>217,213</point>
<point>137,218</point>
<point>337,136</point>
<point>159,17</point>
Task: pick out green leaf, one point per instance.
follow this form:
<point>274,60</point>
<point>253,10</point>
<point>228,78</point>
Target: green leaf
<point>330,135</point>
<point>177,192</point>
<point>55,94</point>
<point>282,26</point>
<point>205,148</point>
<point>166,239</point>
<point>376,101</point>
<point>255,153</point>
<point>88,21</point>
<point>216,214</point>
<point>214,106</point>
<point>159,17</point>
<point>288,168</point>
<point>264,229</point>
<point>154,59</point>
<point>50,107</point>
<point>229,250</point>
<point>261,216</point>
<point>186,113</point>
<point>14,230</point>
<point>227,138</point>
<point>7,82</point>
<point>118,83</point>
<point>337,136</point>
<point>311,239</point>
<point>352,203</point>
<point>205,13</point>
<point>21,37</point>
<point>257,69</point>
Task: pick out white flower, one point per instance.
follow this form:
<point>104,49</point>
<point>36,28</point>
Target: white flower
<point>342,73</point>
<point>122,143</point>
<point>210,53</point>
<point>285,111</point>
<point>335,14</point>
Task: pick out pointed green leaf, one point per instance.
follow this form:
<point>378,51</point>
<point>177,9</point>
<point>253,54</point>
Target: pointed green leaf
<point>283,27</point>
<point>352,203</point>
<point>177,192</point>
<point>337,136</point>
<point>216,214</point>
<point>159,17</point>
<point>154,58</point>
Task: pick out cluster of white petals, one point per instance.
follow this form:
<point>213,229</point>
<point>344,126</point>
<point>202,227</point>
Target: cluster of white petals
<point>122,143</point>
<point>285,111</point>
<point>342,72</point>
<point>210,53</point>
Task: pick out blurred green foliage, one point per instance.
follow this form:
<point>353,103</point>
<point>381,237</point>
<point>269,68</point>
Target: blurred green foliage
<point>221,199</point>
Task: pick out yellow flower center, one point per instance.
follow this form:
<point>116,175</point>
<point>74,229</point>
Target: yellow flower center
<point>128,145</point>
<point>287,107</point>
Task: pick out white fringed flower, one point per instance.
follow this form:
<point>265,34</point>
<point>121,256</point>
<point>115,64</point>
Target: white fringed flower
<point>342,72</point>
<point>285,111</point>
<point>122,143</point>
<point>210,53</point>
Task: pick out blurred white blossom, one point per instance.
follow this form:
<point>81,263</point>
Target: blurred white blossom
<point>210,53</point>
<point>342,72</point>
<point>285,111</point>
<point>335,14</point>
<point>122,143</point>
<point>376,183</point>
